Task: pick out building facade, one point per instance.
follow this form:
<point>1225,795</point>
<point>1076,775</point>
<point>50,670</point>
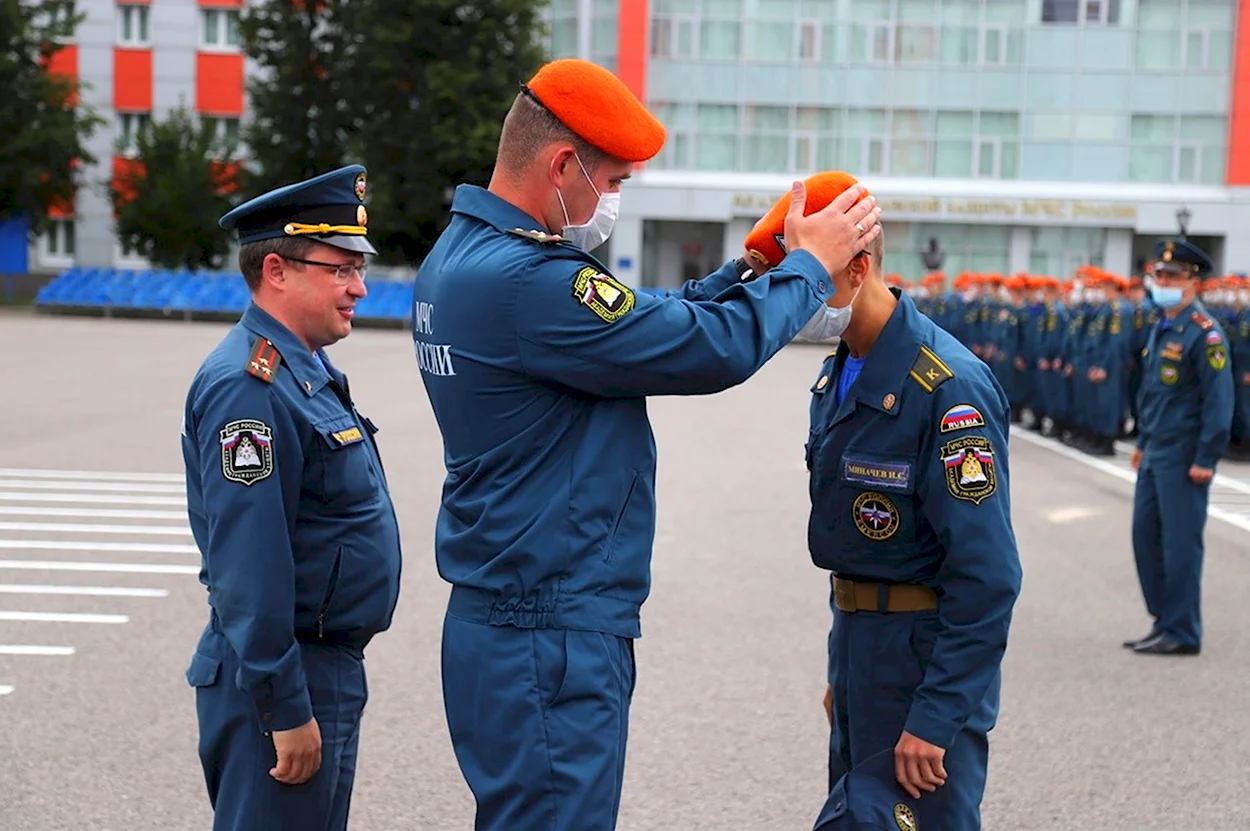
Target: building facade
<point>138,60</point>
<point>1013,135</point>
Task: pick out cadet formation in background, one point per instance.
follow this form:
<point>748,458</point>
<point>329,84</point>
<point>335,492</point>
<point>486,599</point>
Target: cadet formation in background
<point>1068,352</point>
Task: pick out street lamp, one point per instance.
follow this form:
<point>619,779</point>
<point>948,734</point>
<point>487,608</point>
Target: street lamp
<point>1182,219</point>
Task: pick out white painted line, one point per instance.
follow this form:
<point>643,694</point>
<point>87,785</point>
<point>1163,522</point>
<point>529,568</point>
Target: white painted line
<point>74,528</point>
<point>61,617</point>
<point>68,545</point>
<point>90,474</point>
<point>91,513</point>
<point>5,689</point>
<point>66,485</point>
<point>118,568</point>
<point>1118,472</point>
<point>93,498</point>
<point>1063,516</point>
<point>30,649</point>
<point>81,591</point>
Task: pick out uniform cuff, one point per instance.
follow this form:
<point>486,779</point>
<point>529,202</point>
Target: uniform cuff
<point>936,731</point>
<point>803,263</point>
<point>286,714</point>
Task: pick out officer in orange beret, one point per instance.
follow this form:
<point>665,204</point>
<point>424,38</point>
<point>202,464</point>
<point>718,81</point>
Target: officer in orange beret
<point>911,516</point>
<point>537,362</point>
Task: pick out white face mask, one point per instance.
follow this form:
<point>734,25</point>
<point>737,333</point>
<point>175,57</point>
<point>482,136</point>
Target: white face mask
<point>595,232</point>
<point>829,322</point>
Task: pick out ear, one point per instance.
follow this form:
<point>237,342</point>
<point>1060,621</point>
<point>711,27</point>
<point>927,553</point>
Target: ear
<point>560,161</point>
<point>273,272</point>
<point>859,268</point>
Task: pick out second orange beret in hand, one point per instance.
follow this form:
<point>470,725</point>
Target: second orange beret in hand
<point>767,239</point>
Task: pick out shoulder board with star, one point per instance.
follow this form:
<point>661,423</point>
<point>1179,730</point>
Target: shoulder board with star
<point>929,371</point>
<point>1202,320</point>
<point>263,361</point>
<point>536,236</point>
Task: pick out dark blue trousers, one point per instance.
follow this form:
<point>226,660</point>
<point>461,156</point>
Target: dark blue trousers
<point>539,720</point>
<point>237,756</point>
<point>876,662</point>
<point>1168,548</point>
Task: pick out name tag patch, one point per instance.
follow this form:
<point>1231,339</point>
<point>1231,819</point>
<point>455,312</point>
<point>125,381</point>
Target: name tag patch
<point>896,475</point>
<point>348,436</point>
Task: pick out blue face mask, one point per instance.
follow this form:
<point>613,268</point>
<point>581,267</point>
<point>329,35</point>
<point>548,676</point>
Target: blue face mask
<point>1167,297</point>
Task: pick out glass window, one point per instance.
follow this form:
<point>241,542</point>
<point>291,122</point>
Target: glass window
<point>882,38</point>
<point>219,28</point>
<point>1159,15</point>
<point>958,45</point>
<point>718,117</point>
<point>999,124</point>
<point>859,122</point>
<point>716,152</point>
<point>720,39</point>
<point>1187,162</point>
<point>871,10</point>
<point>952,158</point>
<point>1204,128</point>
<point>809,41</point>
<point>1150,163</point>
<point>129,126</point>
<point>915,44</point>
<point>818,9</point>
<point>954,125</point>
<point>603,37</point>
<point>911,123</point>
<point>1009,160</point>
<point>874,155</point>
<point>766,41</point>
<point>1157,51</point>
<point>1061,11</point>
<point>133,25</point>
<point>766,153</point>
<point>910,157</point>
<point>1215,14</point>
<point>1213,157</point>
<point>1050,126</point>
<point>825,119</point>
<point>1094,126</point>
<point>1219,45</point>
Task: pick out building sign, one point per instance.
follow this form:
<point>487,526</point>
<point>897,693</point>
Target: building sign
<point>1024,211</point>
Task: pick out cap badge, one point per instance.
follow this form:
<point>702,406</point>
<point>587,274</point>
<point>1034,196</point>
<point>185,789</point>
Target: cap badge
<point>360,186</point>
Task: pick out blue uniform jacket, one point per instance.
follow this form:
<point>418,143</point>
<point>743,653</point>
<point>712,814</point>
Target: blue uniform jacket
<point>537,363</point>
<point>1185,404</point>
<point>909,484</point>
<point>290,509</point>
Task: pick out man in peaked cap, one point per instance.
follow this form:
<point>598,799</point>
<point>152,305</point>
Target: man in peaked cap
<point>1186,409</point>
<point>548,511</point>
<point>290,510</point>
<point>911,516</point>
<point>868,798</point>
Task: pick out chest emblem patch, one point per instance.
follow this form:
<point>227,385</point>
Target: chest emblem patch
<point>895,475</point>
<point>961,417</point>
<point>969,464</point>
<point>875,515</point>
<point>246,451</point>
<point>1168,374</point>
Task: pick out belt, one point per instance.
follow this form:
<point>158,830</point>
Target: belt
<point>851,596</point>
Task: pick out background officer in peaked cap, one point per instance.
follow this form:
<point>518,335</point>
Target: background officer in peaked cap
<point>911,515</point>
<point>537,362</point>
<point>1186,409</point>
<point>290,510</point>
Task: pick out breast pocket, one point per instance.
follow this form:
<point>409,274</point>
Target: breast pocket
<point>877,492</point>
<point>345,470</point>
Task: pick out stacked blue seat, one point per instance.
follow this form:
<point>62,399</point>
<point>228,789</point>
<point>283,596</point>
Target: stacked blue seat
<point>192,293</point>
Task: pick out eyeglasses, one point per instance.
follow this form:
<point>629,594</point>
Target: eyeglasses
<point>342,271</point>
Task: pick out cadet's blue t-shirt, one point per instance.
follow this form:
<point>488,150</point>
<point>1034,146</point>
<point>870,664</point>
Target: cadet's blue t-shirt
<point>850,371</point>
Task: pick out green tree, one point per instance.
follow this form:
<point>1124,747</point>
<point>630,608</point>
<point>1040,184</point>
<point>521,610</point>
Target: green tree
<point>171,218</point>
<point>433,84</point>
<point>302,115</point>
<point>43,128</point>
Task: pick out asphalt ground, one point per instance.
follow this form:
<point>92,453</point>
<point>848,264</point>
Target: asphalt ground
<point>727,727</point>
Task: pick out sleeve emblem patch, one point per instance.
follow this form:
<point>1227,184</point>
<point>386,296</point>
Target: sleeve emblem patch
<point>246,451</point>
<point>1168,374</point>
<point>875,516</point>
<point>969,464</point>
<point>1217,357</point>
<point>904,818</point>
<point>1214,337</point>
<point>961,417</point>
<point>603,294</point>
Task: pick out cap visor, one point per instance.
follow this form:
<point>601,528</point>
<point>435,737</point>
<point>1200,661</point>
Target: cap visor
<point>348,242</point>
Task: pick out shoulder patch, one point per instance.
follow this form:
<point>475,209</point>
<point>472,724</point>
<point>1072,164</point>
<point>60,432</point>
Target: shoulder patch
<point>961,417</point>
<point>969,464</point>
<point>536,236</point>
<point>263,361</point>
<point>929,371</point>
<point>603,294</point>
<point>246,451</point>
<point>1202,320</point>
<point>1217,357</point>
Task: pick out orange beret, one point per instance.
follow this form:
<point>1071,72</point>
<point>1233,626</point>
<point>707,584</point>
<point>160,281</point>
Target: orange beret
<point>767,238</point>
<point>598,107</point>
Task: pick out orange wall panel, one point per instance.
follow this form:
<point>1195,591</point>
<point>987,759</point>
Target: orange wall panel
<point>132,80</point>
<point>1238,170</point>
<point>631,46</point>
<point>219,83</point>
<point>221,4</point>
<point>64,61</point>
<point>123,170</point>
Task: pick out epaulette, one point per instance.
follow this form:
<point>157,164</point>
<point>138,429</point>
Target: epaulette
<point>1202,320</point>
<point>263,361</point>
<point>536,236</point>
<point>929,371</point>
